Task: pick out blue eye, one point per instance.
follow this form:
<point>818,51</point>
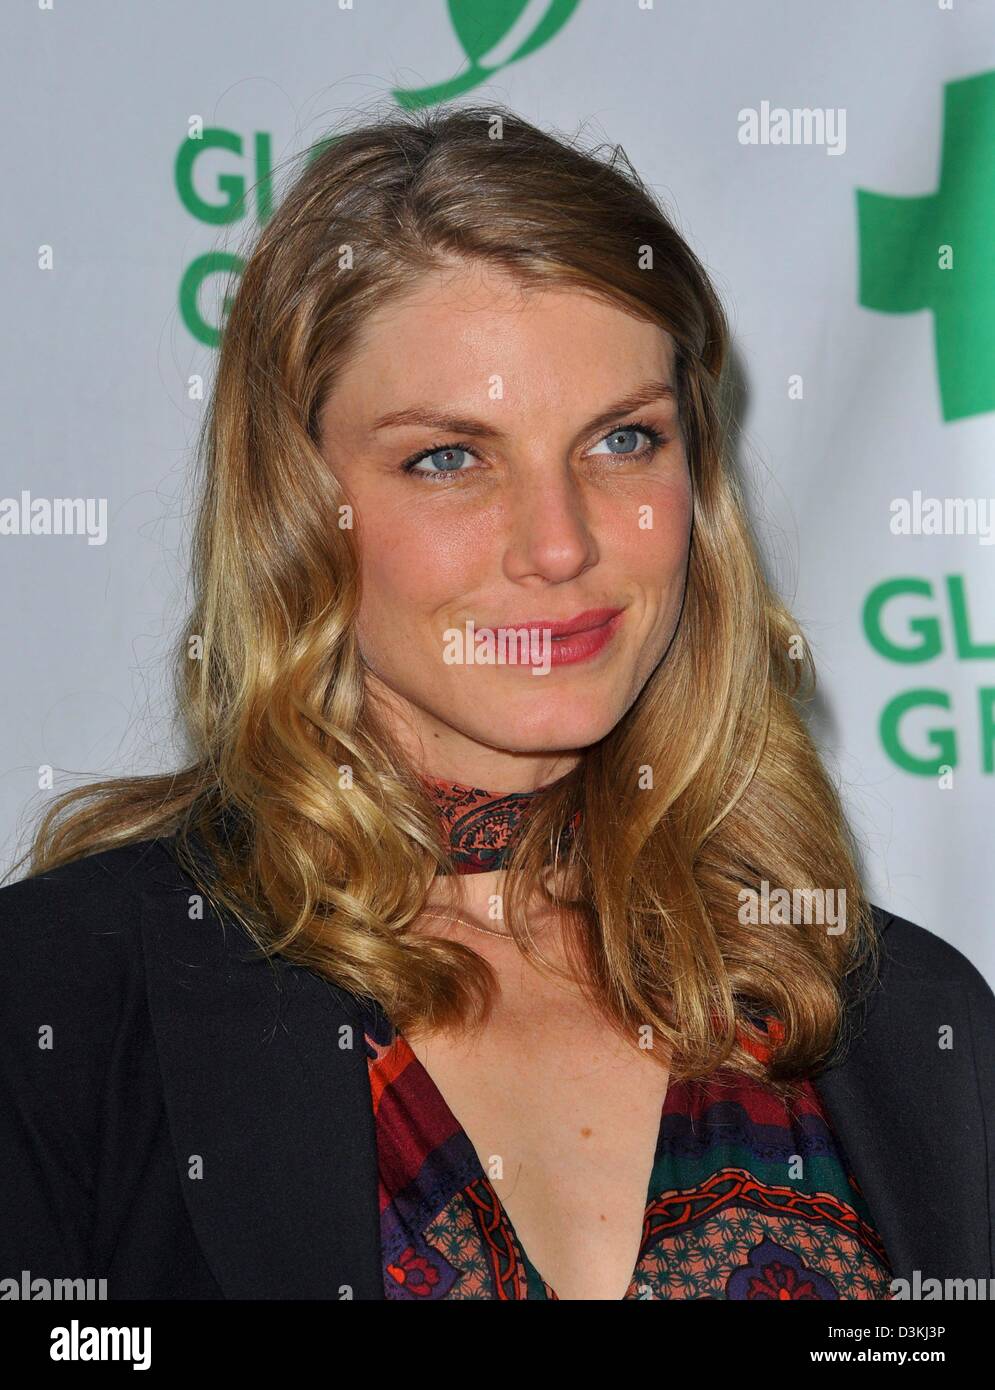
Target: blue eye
<point>445,455</point>
<point>622,441</point>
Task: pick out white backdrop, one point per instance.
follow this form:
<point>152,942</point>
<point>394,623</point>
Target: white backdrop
<point>858,268</point>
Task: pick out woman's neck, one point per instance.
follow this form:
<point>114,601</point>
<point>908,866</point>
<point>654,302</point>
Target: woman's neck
<point>480,829</point>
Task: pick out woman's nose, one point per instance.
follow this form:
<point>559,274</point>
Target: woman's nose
<point>550,526</point>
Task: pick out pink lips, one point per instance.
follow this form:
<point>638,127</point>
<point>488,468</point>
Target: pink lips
<point>584,622</point>
<point>574,639</point>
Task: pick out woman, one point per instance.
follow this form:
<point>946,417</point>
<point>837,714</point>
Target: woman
<point>446,968</point>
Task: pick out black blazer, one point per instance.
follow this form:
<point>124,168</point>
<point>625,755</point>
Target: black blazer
<point>198,1123</point>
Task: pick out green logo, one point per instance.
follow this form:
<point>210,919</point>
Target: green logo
<point>924,636</point>
<point>480,26</point>
<point>936,252</point>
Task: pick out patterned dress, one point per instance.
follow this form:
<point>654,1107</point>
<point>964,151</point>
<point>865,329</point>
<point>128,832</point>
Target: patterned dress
<point>749,1198</point>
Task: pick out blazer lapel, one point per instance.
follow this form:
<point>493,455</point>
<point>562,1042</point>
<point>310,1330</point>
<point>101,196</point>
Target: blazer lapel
<point>908,1116</point>
<point>267,1094</point>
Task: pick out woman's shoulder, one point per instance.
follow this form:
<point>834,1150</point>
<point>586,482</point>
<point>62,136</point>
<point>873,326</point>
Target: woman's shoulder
<point>70,937</point>
<point>124,929</point>
<point>911,951</point>
<point>93,896</point>
<point>922,975</point>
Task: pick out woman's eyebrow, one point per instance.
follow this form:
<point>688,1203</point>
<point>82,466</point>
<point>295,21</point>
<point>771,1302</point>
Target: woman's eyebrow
<point>432,418</point>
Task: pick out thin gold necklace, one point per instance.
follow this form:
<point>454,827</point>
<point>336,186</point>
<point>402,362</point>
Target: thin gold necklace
<point>466,922</point>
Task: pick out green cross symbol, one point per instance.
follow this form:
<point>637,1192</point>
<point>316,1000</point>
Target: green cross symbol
<point>902,245</point>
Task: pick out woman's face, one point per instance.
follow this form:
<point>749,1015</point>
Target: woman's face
<point>547,497</point>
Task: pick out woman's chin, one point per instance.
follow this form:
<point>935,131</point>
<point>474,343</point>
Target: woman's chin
<point>521,727</point>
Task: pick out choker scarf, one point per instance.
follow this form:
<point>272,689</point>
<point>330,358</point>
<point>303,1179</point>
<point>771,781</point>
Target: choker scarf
<point>481,827</point>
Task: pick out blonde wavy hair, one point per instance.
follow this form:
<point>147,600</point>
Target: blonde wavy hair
<point>298,812</point>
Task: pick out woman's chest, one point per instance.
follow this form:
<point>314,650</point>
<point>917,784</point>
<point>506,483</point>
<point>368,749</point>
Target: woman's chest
<point>591,1174</point>
<point>564,1117</point>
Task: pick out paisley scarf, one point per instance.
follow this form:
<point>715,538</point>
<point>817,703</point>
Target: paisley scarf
<point>481,827</point>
